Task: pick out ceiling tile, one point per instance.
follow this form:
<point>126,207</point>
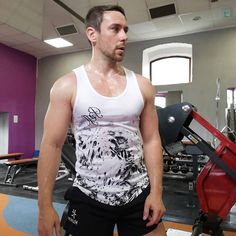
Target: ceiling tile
<point>102,2</point>
<point>224,22</point>
<point>29,21</point>
<point>192,6</point>
<point>144,27</point>
<point>8,30</point>
<point>140,14</point>
<point>7,8</point>
<point>203,23</point>
<point>24,18</point>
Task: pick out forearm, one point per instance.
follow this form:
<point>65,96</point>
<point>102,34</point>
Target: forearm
<point>154,163</point>
<point>48,166</point>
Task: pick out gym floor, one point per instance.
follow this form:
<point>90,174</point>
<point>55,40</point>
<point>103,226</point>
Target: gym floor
<point>182,206</point>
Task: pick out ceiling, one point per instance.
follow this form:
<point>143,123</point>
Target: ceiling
<point>24,24</point>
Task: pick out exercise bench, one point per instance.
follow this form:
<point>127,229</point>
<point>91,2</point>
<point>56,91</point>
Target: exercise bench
<point>14,167</point>
<point>16,156</point>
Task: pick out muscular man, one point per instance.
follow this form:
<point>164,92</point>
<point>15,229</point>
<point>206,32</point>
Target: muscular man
<point>118,148</point>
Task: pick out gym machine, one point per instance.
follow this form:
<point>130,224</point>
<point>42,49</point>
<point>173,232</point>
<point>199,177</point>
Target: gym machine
<point>183,163</point>
<point>216,182</point>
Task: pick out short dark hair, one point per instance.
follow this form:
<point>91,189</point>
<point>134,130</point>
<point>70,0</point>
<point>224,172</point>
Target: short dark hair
<point>94,16</point>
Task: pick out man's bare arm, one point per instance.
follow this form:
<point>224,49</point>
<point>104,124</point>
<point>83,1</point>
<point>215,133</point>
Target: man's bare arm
<point>56,124</point>
<point>152,153</point>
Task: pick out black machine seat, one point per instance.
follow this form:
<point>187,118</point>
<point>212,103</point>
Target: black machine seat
<point>68,156</point>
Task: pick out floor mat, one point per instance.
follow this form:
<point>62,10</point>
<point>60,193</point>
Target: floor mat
<point>19,216</point>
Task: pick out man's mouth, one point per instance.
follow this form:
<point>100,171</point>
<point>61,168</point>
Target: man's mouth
<point>121,49</point>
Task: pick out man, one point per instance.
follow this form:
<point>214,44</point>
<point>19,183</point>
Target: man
<point>118,148</point>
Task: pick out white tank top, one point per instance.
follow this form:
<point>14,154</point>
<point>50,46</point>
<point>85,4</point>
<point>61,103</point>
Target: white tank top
<point>109,148</point>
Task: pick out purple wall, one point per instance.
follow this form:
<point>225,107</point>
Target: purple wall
<point>17,97</point>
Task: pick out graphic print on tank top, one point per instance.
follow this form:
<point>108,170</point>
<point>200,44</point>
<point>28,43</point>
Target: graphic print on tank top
<point>110,165</point>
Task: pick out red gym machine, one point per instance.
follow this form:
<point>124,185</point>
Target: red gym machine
<point>216,182</point>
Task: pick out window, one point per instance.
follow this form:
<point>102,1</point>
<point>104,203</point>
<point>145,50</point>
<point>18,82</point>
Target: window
<point>160,101</point>
<point>170,70</point>
<point>231,97</point>
<point>168,63</point>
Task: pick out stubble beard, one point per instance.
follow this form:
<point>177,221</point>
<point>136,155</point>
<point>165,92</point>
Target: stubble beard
<point>114,56</point>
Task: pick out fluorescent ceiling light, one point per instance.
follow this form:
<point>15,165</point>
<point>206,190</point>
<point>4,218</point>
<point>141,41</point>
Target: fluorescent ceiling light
<point>58,42</point>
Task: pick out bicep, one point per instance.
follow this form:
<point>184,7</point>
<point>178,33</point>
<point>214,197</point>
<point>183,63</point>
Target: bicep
<point>148,119</point>
<point>149,124</point>
<point>57,118</point>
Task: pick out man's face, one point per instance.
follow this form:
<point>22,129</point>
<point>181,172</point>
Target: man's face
<point>112,38</point>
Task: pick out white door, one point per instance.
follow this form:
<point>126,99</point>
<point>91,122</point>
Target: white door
<point>4,132</point>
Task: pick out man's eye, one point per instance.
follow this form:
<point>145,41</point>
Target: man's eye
<point>116,29</point>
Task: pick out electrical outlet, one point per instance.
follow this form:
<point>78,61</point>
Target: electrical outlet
<point>15,119</point>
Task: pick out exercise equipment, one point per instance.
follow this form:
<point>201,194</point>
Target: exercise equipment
<point>68,154</point>
<point>62,173</point>
<point>67,166</point>
<point>216,183</point>
<point>15,156</point>
<point>14,167</point>
<point>69,158</point>
<point>183,164</point>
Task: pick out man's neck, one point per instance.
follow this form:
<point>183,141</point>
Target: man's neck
<point>104,68</point>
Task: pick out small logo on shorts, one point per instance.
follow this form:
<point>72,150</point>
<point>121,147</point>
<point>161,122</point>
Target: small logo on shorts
<point>73,216</point>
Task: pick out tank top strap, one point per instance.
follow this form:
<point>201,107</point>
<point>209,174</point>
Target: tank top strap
<point>80,74</point>
<point>132,82</point>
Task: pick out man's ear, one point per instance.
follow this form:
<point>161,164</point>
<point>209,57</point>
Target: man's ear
<point>91,34</point>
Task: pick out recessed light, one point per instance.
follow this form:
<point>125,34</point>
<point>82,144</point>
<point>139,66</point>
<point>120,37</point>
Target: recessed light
<point>58,42</point>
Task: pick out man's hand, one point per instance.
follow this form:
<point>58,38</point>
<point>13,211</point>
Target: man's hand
<point>48,221</point>
<point>154,209</point>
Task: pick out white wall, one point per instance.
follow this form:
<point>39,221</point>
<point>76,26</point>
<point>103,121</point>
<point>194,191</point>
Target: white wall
<point>49,70</point>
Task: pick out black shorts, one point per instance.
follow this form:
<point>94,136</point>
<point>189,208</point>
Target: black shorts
<point>88,217</point>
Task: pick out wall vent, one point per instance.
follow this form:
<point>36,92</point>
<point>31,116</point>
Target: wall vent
<point>161,11</point>
<point>66,30</point>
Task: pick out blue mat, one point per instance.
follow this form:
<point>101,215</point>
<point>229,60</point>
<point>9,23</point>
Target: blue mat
<point>22,214</point>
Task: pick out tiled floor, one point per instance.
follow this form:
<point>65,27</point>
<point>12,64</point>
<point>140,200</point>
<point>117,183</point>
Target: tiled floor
<point>181,207</point>
<point>177,229</point>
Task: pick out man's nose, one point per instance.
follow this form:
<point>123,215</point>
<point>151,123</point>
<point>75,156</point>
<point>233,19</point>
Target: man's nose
<point>124,36</point>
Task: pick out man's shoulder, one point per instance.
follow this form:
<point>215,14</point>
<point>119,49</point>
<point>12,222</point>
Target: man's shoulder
<point>138,76</point>
<point>65,83</point>
<point>143,80</point>
<point>67,78</point>
<point>145,85</point>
